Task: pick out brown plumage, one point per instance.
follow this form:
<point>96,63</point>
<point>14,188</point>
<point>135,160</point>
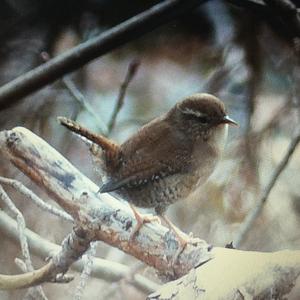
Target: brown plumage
<point>167,158</point>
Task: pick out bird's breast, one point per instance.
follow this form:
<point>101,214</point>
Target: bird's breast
<point>206,155</point>
<point>219,137</point>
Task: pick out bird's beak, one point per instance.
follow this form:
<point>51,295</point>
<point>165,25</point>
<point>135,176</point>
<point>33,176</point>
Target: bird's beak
<point>228,120</point>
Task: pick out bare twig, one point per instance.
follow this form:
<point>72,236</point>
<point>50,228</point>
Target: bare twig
<point>254,4</point>
<point>81,99</point>
<point>21,227</point>
<point>103,269</point>
<point>287,13</point>
<point>73,247</point>
<point>282,12</point>
<point>78,56</point>
<point>252,216</point>
<point>35,199</point>
<point>21,264</point>
<point>128,278</point>
<point>86,272</point>
<point>23,240</point>
<point>35,293</point>
<point>283,110</point>
<point>132,69</point>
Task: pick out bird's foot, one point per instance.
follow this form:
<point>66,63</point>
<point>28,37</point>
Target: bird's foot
<point>183,241</point>
<point>182,238</point>
<point>141,220</point>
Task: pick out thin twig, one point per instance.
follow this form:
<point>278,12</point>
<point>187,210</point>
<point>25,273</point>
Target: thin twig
<point>78,56</point>
<point>73,247</point>
<point>248,3</point>
<point>21,227</point>
<point>35,293</point>
<point>18,186</point>
<point>23,240</point>
<point>132,69</point>
<point>287,14</point>
<point>21,264</point>
<point>78,96</point>
<point>116,286</point>
<point>283,110</point>
<point>103,269</point>
<point>86,272</point>
<point>81,99</point>
<point>252,216</point>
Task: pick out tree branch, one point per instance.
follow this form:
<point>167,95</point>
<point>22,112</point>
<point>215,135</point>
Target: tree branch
<point>73,246</point>
<point>78,96</point>
<point>287,12</point>
<point>132,69</point>
<point>252,216</point>
<point>111,221</point>
<point>235,274</point>
<point>27,263</point>
<point>104,218</point>
<point>23,190</point>
<point>103,269</point>
<point>78,56</point>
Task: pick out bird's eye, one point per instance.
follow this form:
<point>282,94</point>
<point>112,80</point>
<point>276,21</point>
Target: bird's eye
<point>203,120</point>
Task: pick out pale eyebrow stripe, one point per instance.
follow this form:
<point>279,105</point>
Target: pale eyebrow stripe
<point>192,112</point>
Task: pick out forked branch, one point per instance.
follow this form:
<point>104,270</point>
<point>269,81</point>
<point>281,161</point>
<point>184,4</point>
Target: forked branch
<point>109,220</point>
<point>105,218</point>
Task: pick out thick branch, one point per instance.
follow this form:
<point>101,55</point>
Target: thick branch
<point>235,274</point>
<point>105,218</point>
<point>78,56</point>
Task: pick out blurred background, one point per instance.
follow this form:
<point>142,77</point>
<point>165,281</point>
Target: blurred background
<point>237,50</point>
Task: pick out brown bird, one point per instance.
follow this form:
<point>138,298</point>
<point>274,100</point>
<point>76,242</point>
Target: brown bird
<point>167,159</point>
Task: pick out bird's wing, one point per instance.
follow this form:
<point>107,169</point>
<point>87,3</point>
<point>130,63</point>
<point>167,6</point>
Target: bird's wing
<point>150,155</point>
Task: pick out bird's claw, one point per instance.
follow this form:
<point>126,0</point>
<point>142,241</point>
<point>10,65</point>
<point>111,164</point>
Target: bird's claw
<point>141,220</point>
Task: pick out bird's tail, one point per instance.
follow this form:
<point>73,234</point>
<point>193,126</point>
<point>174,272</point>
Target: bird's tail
<point>107,145</point>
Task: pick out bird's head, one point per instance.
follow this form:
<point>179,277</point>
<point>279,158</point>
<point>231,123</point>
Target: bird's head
<point>205,110</point>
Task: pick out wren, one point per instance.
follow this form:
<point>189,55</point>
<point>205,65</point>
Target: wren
<point>168,158</point>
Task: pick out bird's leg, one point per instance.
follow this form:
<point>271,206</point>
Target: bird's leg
<point>141,220</point>
<point>182,238</point>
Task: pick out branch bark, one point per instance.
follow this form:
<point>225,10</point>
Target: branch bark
<point>104,218</point>
<point>103,269</point>
<point>235,274</point>
<point>78,56</point>
<point>73,247</point>
<point>109,220</point>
